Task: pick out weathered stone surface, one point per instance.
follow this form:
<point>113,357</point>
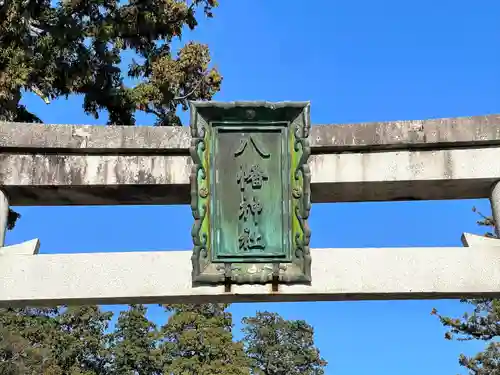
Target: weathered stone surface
<point>474,240</point>
<point>91,139</point>
<point>78,170</point>
<point>30,247</point>
<point>165,277</point>
<point>87,165</point>
<point>36,179</point>
<point>495,205</point>
<point>404,175</point>
<point>172,140</point>
<point>4,215</point>
<point>445,132</point>
<point>338,177</point>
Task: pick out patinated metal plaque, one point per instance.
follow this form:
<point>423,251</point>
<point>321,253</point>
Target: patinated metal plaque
<point>250,192</point>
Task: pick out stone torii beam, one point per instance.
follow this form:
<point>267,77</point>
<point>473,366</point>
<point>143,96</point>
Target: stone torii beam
<point>389,161</point>
<point>165,277</point>
<point>386,161</point>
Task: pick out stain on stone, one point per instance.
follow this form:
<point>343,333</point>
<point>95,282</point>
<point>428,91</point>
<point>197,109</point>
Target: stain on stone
<point>78,173</point>
<point>4,161</point>
<point>117,171</point>
<point>145,177</point>
<point>447,164</point>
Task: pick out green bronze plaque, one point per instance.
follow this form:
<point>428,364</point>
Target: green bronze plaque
<point>250,192</point>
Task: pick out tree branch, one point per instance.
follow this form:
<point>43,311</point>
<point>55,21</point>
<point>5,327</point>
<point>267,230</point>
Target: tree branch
<point>190,92</point>
<point>147,109</point>
<point>38,92</point>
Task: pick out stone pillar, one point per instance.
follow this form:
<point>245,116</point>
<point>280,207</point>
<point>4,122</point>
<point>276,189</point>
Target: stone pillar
<point>495,206</point>
<point>4,214</point>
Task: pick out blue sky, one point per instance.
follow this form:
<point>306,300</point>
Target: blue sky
<point>355,61</point>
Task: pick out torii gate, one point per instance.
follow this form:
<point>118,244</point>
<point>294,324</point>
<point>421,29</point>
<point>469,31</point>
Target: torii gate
<point>400,160</point>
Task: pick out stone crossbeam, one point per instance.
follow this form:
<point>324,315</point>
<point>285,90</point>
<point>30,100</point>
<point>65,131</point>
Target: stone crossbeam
<point>398,160</point>
<point>337,274</point>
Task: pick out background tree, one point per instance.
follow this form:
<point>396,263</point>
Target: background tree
<point>79,47</point>
<point>16,355</point>
<point>483,323</point>
<point>134,345</point>
<point>58,341</point>
<point>281,347</point>
<point>19,357</point>
<point>80,345</point>
<point>26,336</point>
<point>197,339</point>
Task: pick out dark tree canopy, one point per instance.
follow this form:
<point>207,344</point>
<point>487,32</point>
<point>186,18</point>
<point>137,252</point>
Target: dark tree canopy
<point>281,347</point>
<point>134,344</point>
<point>197,339</point>
<point>78,47</point>
<point>54,341</point>
<point>83,47</point>
<point>19,357</point>
<point>79,346</point>
<point>24,342</point>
